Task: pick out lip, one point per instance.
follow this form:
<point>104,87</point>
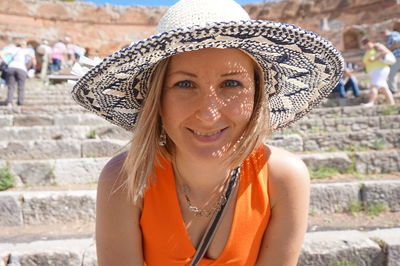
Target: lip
<point>209,136</point>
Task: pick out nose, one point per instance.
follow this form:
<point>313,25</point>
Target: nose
<point>209,109</point>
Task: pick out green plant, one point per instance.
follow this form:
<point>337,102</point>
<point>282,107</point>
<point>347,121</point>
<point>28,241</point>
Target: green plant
<point>6,179</point>
<point>355,207</point>
<point>91,134</point>
<point>322,171</point>
<point>344,263</point>
<point>376,209</point>
<point>315,130</point>
<point>91,155</point>
<point>351,168</point>
<point>388,110</point>
<point>378,145</point>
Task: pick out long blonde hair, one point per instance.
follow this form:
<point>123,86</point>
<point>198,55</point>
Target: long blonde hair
<point>141,159</point>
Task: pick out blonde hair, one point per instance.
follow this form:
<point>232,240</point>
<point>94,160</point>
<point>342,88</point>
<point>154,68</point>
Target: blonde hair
<point>141,160</point>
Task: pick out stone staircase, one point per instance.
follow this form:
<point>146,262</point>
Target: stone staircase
<point>55,150</point>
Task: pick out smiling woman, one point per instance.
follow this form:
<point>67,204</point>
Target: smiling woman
<point>198,186</point>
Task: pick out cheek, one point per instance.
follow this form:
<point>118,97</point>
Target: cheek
<point>242,107</point>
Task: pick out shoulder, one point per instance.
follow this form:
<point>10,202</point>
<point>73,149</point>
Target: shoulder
<point>287,172</point>
<point>113,168</point>
<point>284,163</point>
<point>111,180</point>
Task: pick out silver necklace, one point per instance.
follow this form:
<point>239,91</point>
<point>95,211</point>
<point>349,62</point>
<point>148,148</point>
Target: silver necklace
<point>200,212</point>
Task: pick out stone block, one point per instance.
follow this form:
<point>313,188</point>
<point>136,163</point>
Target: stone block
<point>33,120</point>
<point>66,119</point>
<point>101,148</point>
<point>41,149</point>
<point>10,209</point>
<point>389,240</point>
<point>346,140</point>
<point>65,252</point>
<point>92,120</point>
<point>335,247</point>
<point>33,172</point>
<point>385,192</point>
<point>6,120</point>
<point>384,161</point>
<point>44,259</point>
<point>337,160</point>
<point>291,142</point>
<point>47,207</point>
<point>78,171</point>
<point>90,256</point>
<point>112,132</point>
<point>390,121</point>
<point>66,132</point>
<point>333,197</point>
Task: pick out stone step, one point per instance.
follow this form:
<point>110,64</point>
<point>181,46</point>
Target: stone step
<point>60,119</point>
<point>305,125</point>
<point>317,113</point>
<point>347,247</point>
<point>21,207</point>
<point>350,100</point>
<point>78,132</point>
<point>335,141</point>
<point>348,141</point>
<point>48,170</point>
<point>42,109</point>
<point>353,111</point>
<point>347,124</point>
<point>62,148</point>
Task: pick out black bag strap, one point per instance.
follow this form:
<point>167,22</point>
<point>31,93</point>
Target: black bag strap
<point>214,223</point>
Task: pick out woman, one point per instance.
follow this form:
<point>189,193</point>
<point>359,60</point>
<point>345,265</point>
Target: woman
<point>197,184</point>
<point>17,71</point>
<point>378,71</point>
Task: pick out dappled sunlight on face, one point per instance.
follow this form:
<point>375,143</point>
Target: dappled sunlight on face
<point>208,100</point>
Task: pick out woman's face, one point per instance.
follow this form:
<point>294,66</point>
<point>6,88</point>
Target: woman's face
<point>207,100</point>
<point>368,46</point>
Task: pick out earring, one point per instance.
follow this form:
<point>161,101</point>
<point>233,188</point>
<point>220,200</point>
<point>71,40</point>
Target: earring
<point>163,138</point>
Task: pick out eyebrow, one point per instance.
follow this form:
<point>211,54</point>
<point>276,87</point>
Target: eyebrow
<point>233,73</point>
<point>194,75</point>
<point>182,72</point>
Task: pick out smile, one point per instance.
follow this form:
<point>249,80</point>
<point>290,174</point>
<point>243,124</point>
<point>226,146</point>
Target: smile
<point>207,134</point>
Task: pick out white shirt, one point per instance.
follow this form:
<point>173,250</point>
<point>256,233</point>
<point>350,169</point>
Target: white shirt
<point>18,60</point>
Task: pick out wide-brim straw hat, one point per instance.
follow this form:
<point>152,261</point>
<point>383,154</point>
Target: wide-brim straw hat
<point>300,67</point>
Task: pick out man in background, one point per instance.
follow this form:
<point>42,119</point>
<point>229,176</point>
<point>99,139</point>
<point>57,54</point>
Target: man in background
<point>392,39</point>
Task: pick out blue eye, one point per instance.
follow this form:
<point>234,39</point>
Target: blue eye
<point>232,83</point>
<point>184,84</point>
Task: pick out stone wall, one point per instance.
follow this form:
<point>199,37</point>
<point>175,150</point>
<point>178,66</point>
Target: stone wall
<point>103,29</point>
<point>107,28</point>
<point>342,22</point>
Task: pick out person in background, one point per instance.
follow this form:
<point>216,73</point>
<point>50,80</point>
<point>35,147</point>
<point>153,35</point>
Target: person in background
<point>377,71</point>
<point>57,56</point>
<point>392,39</point>
<point>4,64</point>
<point>17,70</point>
<point>30,65</point>
<point>44,51</point>
<point>347,82</point>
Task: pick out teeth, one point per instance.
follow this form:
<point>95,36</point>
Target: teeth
<point>206,134</point>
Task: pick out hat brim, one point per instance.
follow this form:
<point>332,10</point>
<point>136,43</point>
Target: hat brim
<point>301,68</point>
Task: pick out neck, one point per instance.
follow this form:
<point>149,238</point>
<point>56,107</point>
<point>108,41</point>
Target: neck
<point>204,177</point>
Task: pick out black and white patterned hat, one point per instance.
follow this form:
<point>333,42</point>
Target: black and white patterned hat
<point>301,68</point>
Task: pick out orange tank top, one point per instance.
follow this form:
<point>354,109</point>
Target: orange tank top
<point>165,239</point>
